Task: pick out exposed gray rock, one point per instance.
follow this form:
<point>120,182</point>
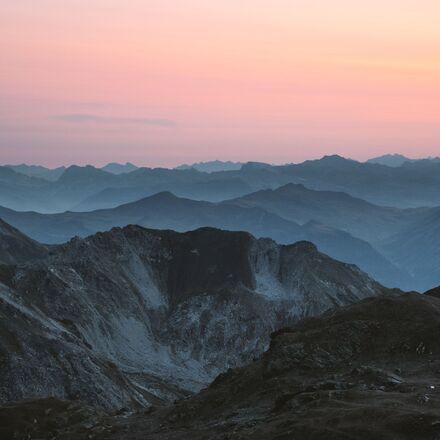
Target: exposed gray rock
<point>353,373</point>
<point>134,316</point>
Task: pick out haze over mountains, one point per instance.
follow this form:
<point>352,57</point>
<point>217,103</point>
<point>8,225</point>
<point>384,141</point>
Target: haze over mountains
<point>397,160</point>
<point>276,287</point>
<point>411,185</point>
<point>338,204</point>
<point>391,160</point>
<point>166,211</point>
<point>53,174</point>
<point>212,166</point>
<point>347,228</point>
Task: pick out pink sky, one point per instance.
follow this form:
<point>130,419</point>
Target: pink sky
<point>172,81</point>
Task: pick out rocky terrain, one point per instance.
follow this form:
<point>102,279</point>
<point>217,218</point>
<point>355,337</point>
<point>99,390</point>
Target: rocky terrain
<point>16,248</point>
<point>369,370</point>
<point>133,317</point>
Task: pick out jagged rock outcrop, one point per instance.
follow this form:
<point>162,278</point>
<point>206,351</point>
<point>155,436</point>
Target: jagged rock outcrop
<point>134,316</point>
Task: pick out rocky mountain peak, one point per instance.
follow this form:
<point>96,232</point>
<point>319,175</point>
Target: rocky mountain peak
<point>139,315</point>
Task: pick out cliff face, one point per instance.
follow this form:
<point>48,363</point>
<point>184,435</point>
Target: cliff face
<point>135,316</point>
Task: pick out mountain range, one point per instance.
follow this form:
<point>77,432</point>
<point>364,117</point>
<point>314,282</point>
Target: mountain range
<point>397,160</point>
<point>376,238</point>
<point>53,174</point>
<point>251,301</point>
<point>166,211</point>
<point>135,316</point>
<point>412,185</point>
<point>212,166</point>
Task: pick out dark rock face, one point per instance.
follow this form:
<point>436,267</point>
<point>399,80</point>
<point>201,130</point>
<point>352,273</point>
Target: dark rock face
<point>369,370</point>
<point>16,248</point>
<point>133,316</point>
<point>434,292</point>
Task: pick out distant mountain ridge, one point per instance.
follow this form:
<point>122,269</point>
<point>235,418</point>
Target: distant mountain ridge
<point>397,160</point>
<point>51,174</point>
<point>346,228</point>
<point>340,210</point>
<point>212,166</point>
<point>167,211</point>
<point>414,184</point>
<point>353,211</point>
<point>391,160</point>
<point>117,168</point>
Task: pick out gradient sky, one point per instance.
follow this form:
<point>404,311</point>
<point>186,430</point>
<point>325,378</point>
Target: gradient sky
<point>171,81</point>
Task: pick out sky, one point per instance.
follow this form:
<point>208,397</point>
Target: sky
<point>164,82</point>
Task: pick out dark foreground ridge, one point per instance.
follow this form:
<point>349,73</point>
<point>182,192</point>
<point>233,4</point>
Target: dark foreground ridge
<point>367,371</point>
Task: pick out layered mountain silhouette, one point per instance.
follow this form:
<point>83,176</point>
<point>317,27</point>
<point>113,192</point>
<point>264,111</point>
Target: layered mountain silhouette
<point>337,209</point>
<point>50,174</point>
<point>81,188</point>
<point>414,184</point>
<point>397,160</point>
<point>53,174</point>
<point>383,241</point>
<point>135,316</point>
<point>166,211</point>
<point>220,300</point>
<point>408,238</point>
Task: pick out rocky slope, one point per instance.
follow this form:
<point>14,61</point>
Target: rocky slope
<point>369,370</point>
<point>135,316</point>
<point>16,247</point>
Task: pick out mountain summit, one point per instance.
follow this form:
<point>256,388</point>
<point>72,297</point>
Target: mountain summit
<point>390,160</point>
<point>134,316</point>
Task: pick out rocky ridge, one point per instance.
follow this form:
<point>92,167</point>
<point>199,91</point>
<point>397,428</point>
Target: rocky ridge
<point>133,317</point>
<point>368,370</point>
